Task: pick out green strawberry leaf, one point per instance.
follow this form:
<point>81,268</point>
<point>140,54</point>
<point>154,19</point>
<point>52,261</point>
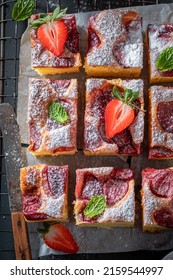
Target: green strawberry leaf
<point>95,206</point>
<point>58,13</point>
<point>58,113</point>
<point>44,18</point>
<point>165,60</point>
<point>23,9</point>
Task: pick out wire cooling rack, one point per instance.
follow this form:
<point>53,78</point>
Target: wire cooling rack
<point>10,35</point>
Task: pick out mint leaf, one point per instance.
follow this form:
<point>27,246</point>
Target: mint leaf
<point>23,9</point>
<point>95,206</point>
<point>44,18</point>
<point>58,113</point>
<point>165,60</point>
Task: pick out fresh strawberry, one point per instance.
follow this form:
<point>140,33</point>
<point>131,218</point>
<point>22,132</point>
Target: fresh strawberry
<point>118,116</point>
<point>119,113</point>
<point>58,237</point>
<point>53,36</point>
<point>51,31</point>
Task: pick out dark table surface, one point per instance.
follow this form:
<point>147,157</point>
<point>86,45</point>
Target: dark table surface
<point>10,35</point>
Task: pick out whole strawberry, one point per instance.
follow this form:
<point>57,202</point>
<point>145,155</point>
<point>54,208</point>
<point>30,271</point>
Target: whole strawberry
<point>57,237</point>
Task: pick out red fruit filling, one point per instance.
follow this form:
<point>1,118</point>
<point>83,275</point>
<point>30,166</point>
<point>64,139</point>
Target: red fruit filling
<point>165,115</point>
<point>164,217</point>
<point>114,190</point>
<point>162,183</point>
<point>158,152</point>
<point>93,39</point>
<point>92,186</point>
<point>56,179</point>
<point>53,183</point>
<point>72,42</point>
<point>31,204</point>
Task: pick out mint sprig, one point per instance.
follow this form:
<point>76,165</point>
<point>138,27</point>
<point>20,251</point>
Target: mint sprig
<point>165,60</point>
<point>23,9</point>
<point>57,14</point>
<point>95,206</point>
<point>58,113</point>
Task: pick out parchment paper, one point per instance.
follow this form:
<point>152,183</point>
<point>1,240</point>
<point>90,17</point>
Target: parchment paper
<point>93,240</point>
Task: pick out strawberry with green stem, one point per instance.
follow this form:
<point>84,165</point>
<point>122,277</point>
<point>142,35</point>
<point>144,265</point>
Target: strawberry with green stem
<point>52,31</point>
<point>119,112</point>
<point>57,237</point>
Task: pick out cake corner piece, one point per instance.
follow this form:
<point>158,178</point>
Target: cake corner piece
<point>116,50</point>
<point>43,198</point>
<point>156,199</point>
<point>101,200</point>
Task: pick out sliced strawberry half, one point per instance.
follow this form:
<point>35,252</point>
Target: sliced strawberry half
<point>53,36</point>
<point>58,237</point>
<point>118,116</point>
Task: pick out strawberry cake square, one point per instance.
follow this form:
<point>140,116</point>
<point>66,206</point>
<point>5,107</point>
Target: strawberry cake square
<point>54,43</point>
<point>104,197</point>
<point>115,44</point>
<point>52,116</point>
<point>114,117</point>
<point>161,122</point>
<point>157,199</point>
<point>160,53</point>
<point>44,192</point>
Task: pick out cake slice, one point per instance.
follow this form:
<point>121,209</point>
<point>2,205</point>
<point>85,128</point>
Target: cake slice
<point>115,44</point>
<point>111,127</point>
<point>44,192</point>
<point>157,199</point>
<point>54,43</point>
<point>160,53</point>
<point>104,197</point>
<point>52,116</point>
<point>161,122</point>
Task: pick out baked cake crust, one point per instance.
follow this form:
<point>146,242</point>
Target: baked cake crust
<point>44,192</point>
<point>160,122</point>
<point>128,142</point>
<point>159,37</point>
<point>115,44</point>
<point>45,62</point>
<point>116,185</point>
<point>157,198</point>
<point>48,137</point>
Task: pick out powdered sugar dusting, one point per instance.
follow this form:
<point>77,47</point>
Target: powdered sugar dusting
<point>98,171</point>
<point>137,128</point>
<point>93,84</point>
<point>160,37</point>
<point>32,177</point>
<point>150,203</point>
<point>50,182</point>
<point>111,31</point>
<point>124,211</point>
<point>57,178</point>
<point>51,134</point>
<point>159,137</point>
<point>91,188</point>
<point>54,207</point>
<point>57,138</point>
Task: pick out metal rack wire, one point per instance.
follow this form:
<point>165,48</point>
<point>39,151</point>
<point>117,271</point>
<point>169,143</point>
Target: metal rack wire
<point>10,35</point>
